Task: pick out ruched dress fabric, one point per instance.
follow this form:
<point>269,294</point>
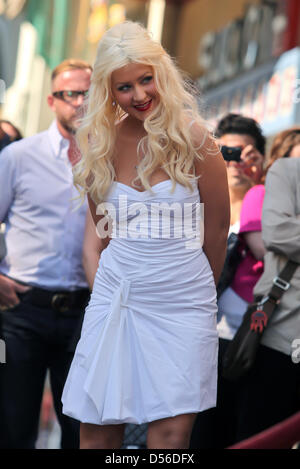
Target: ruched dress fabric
<point>148,347</point>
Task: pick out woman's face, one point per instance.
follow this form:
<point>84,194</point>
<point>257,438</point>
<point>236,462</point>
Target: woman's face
<point>249,170</point>
<point>133,88</point>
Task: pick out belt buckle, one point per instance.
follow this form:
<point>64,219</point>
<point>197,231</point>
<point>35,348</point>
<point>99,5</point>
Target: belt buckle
<point>59,302</point>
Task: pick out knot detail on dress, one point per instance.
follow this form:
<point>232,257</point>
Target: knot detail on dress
<point>97,363</point>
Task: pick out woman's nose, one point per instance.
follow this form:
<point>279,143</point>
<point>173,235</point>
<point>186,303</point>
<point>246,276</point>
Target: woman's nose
<point>139,94</point>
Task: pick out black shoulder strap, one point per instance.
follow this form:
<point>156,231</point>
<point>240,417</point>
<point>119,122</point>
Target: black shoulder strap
<point>281,283</point>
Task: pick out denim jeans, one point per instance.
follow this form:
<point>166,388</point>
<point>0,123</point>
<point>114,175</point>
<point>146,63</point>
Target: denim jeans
<point>37,340</point>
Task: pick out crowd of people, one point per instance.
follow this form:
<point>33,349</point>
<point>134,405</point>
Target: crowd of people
<point>258,401</point>
<point>134,329</point>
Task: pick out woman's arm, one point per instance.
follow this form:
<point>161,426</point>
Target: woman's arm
<point>281,222</point>
<point>250,221</point>
<point>93,245</point>
<point>214,194</point>
<point>255,243</point>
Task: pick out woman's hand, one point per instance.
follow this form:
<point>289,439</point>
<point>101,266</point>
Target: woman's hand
<point>252,163</point>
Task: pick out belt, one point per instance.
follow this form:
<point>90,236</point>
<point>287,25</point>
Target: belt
<point>60,301</point>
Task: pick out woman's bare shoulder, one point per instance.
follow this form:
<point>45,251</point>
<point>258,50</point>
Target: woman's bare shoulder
<point>204,142</point>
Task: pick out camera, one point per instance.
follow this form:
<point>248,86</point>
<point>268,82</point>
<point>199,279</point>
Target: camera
<point>231,153</point>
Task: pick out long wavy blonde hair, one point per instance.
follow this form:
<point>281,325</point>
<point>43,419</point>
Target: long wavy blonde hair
<point>168,144</point>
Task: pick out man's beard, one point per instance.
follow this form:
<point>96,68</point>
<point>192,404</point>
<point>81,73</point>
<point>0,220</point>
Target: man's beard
<point>70,125</point>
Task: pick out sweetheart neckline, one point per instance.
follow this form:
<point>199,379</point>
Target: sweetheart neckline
<point>146,191</point>
<point>141,192</point>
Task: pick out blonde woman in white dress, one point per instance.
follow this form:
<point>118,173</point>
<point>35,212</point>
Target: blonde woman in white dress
<point>148,348</point>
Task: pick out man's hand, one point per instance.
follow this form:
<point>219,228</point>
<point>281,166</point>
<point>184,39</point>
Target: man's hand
<point>8,292</point>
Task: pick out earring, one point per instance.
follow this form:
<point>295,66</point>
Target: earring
<point>114,103</point>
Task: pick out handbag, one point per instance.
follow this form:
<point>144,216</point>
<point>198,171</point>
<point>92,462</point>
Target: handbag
<point>236,249</point>
<point>241,352</point>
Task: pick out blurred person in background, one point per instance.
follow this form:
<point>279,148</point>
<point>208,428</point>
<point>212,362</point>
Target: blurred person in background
<point>8,133</point>
<point>279,398</point>
<point>270,393</point>
<point>286,144</point>
<point>243,148</point>
<point>43,288</point>
<point>245,178</point>
<point>234,301</point>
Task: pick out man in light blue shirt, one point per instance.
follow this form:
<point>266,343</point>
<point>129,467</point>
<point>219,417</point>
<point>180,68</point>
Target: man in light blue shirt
<point>43,289</point>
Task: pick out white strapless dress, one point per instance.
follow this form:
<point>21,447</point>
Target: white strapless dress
<point>149,344</point>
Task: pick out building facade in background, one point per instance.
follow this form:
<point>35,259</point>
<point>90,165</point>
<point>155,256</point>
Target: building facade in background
<point>41,34</point>
<point>243,54</point>
<point>245,59</point>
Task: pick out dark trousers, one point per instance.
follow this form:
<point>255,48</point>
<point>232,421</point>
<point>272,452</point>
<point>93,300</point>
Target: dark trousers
<point>36,339</point>
<point>269,394</point>
<point>214,428</point>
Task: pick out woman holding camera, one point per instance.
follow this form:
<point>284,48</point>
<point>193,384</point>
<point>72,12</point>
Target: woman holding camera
<point>243,146</point>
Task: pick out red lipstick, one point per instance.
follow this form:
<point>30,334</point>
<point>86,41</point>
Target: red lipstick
<point>143,107</point>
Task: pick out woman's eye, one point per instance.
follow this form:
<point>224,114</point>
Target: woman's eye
<point>124,88</point>
<point>147,79</point>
